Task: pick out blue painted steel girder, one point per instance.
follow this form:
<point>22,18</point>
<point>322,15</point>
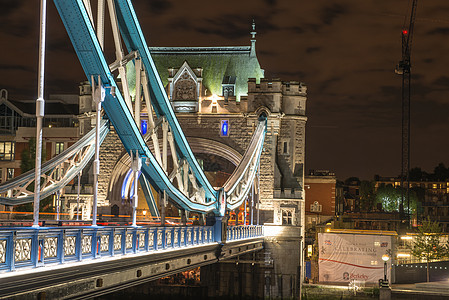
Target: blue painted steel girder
<point>135,41</point>
<point>87,47</point>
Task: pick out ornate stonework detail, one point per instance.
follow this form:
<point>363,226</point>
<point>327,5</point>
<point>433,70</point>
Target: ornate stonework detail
<point>189,237</point>
<point>168,238</point>
<point>175,239</point>
<point>70,245</point>
<point>182,236</point>
<point>117,241</point>
<point>50,247</point>
<point>104,243</point>
<point>159,237</point>
<point>141,239</point>
<point>86,245</point>
<point>22,250</point>
<point>200,234</point>
<point>3,251</point>
<point>194,236</point>
<point>151,240</point>
<point>210,235</point>
<point>129,241</point>
<point>185,88</point>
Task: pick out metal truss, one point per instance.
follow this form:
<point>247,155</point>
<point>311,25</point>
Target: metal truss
<point>56,173</point>
<point>239,183</point>
<point>182,180</point>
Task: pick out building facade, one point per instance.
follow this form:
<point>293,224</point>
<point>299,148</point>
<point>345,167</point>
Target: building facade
<point>18,132</point>
<point>320,188</point>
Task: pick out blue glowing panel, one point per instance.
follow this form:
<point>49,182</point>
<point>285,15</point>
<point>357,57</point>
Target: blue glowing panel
<point>125,185</point>
<point>143,126</point>
<point>224,128</point>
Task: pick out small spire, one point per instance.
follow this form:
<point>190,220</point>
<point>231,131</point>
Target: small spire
<point>253,33</point>
<point>253,40</point>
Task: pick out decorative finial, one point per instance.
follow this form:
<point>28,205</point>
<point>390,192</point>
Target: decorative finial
<point>253,33</point>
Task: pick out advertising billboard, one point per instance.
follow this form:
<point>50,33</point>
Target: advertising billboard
<point>345,257</point>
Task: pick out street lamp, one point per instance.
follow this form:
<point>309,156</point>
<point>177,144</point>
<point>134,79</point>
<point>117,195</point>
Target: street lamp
<point>385,258</point>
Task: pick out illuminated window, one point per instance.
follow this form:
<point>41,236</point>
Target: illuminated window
<point>9,173</point>
<point>287,217</point>
<point>59,147</point>
<point>228,87</point>
<point>7,150</point>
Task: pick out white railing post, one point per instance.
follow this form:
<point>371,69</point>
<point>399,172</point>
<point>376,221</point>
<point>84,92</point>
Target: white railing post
<point>78,196</point>
<point>135,166</point>
<point>98,97</point>
<point>58,205</point>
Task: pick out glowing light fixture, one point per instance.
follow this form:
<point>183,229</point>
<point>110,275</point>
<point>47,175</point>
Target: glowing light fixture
<point>385,257</point>
<point>406,237</point>
<point>403,255</point>
<point>224,129</point>
<point>214,99</point>
<point>143,126</point>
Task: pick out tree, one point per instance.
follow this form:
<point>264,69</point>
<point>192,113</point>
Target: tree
<point>28,156</point>
<point>368,198</point>
<point>389,196</point>
<point>352,181</point>
<point>440,173</point>
<point>427,243</point>
<point>416,174</point>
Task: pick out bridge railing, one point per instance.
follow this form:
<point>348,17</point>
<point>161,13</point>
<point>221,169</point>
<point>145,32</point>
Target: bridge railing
<point>22,248</point>
<point>235,233</point>
<point>38,247</point>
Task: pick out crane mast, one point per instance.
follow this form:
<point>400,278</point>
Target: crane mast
<point>404,69</point>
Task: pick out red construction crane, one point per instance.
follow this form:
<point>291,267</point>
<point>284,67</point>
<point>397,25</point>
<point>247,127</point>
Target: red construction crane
<point>404,69</point>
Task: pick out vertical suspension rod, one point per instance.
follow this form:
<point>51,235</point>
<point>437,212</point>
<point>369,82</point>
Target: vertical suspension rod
<point>39,113</point>
<point>100,23</point>
<point>98,96</point>
<point>78,196</point>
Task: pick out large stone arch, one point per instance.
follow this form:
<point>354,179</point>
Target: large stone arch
<point>122,163</point>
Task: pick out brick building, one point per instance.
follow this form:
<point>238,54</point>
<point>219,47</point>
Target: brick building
<point>320,188</point>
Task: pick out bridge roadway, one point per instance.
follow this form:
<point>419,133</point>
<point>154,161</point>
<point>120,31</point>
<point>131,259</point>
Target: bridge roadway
<point>98,275</point>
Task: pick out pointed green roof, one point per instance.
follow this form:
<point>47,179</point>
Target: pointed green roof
<point>216,63</point>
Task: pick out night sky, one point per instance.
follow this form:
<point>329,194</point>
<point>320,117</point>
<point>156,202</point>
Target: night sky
<point>345,51</point>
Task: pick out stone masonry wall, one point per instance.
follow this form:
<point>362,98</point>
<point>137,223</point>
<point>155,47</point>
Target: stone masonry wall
<point>110,152</point>
<point>275,161</point>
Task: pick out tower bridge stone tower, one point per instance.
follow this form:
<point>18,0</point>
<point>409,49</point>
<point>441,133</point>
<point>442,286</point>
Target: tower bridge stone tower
<point>210,86</point>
